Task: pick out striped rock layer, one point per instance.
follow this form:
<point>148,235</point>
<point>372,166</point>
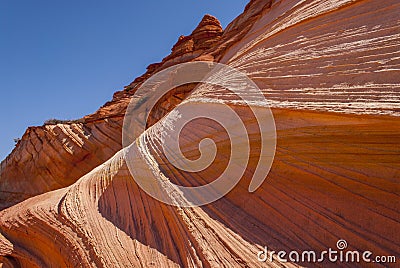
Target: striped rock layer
<point>330,73</point>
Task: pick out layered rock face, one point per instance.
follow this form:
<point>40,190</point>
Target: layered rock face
<point>329,70</point>
<point>56,155</point>
<point>335,56</point>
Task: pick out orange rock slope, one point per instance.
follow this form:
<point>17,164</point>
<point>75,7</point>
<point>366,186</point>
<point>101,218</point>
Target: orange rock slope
<point>330,72</point>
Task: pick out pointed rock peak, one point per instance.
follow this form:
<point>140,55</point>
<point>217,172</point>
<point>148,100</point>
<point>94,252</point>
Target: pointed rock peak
<point>209,19</point>
<point>208,23</point>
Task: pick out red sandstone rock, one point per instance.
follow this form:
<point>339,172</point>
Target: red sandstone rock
<point>335,174</point>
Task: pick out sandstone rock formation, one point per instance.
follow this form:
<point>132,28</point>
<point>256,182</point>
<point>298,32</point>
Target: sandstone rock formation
<point>330,72</point>
<point>57,155</point>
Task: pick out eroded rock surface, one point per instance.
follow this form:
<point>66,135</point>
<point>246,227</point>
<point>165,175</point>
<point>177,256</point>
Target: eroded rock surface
<point>335,174</point>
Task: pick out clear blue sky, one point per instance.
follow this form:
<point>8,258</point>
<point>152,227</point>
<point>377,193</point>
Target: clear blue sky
<point>64,59</point>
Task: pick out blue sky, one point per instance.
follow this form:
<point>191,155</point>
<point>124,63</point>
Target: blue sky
<point>64,59</point>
